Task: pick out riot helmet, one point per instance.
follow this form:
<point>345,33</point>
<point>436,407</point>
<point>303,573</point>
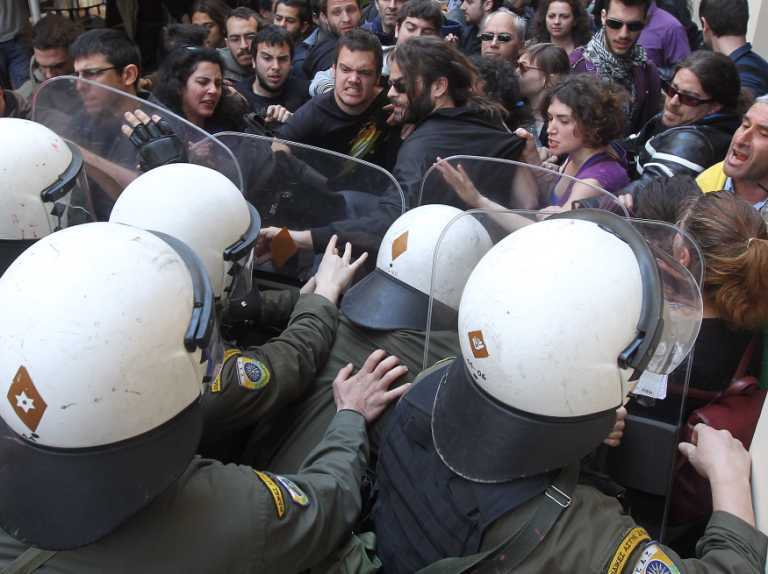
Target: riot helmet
<point>108,334</point>
<point>554,323</point>
<point>204,209</point>
<point>43,187</point>
<point>396,294</point>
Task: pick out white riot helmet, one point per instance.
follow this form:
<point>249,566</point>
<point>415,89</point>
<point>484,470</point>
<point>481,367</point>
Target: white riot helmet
<point>206,211</point>
<point>554,322</point>
<point>396,294</point>
<point>39,173</point>
<point>108,333</point>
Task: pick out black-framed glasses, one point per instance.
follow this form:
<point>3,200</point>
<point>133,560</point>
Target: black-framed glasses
<point>502,37</point>
<point>90,73</point>
<point>398,85</point>
<point>686,99</point>
<point>616,24</point>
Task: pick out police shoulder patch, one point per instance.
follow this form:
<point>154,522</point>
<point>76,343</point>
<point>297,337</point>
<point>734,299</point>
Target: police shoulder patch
<point>252,373</point>
<point>274,490</point>
<point>654,560</point>
<point>297,495</point>
<point>215,386</point>
<point>626,547</point>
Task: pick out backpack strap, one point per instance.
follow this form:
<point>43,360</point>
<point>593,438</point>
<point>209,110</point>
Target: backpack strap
<point>29,561</point>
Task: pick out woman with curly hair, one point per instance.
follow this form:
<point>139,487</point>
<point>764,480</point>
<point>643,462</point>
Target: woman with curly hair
<point>564,23</point>
<point>191,84</point>
<point>584,116</point>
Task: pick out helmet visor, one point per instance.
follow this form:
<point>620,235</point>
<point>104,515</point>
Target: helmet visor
<point>68,196</point>
<point>680,265</point>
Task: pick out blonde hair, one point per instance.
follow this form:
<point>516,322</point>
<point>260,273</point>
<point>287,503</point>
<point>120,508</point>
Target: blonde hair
<point>734,241</point>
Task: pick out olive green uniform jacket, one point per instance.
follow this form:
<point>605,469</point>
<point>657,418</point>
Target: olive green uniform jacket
<point>257,382</point>
<point>282,445</point>
<point>230,519</point>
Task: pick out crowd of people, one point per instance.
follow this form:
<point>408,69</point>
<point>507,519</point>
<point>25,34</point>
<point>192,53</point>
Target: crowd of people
<point>425,396</point>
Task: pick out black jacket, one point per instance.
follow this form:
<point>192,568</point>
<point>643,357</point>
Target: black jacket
<point>682,150</point>
<point>321,55</point>
<point>448,132</point>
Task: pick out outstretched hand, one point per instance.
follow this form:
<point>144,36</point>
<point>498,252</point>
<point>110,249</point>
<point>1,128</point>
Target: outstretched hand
<point>458,179</point>
<point>367,392</point>
<point>335,272</point>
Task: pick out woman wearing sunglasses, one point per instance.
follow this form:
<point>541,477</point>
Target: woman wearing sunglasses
<point>702,109</point>
<point>562,22</point>
<point>539,68</point>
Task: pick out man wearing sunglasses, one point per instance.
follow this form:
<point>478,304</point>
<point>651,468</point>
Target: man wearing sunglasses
<point>474,11</point>
<point>701,112</point>
<point>430,86</point>
<point>614,54</point>
<point>502,34</point>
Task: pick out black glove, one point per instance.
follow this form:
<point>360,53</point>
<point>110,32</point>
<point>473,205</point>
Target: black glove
<point>157,145</point>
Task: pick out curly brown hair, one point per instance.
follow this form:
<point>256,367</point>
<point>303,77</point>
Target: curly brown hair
<point>580,31</point>
<point>734,241</point>
<point>597,106</point>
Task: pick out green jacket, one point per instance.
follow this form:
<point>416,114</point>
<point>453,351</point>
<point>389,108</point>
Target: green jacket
<point>258,382</point>
<point>230,519</point>
<point>283,446</point>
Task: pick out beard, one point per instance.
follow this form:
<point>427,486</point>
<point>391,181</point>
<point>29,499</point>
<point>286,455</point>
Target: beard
<point>419,108</point>
<point>272,90</point>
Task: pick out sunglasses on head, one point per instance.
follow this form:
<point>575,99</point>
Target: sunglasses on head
<point>398,85</point>
<point>686,99</point>
<point>502,37</point>
<point>616,24</point>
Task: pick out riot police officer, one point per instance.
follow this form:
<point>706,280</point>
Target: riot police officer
<point>41,182</point>
<point>479,467</point>
<point>108,335</point>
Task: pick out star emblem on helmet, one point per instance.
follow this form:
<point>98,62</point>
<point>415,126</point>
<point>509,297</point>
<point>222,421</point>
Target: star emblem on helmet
<point>26,400</point>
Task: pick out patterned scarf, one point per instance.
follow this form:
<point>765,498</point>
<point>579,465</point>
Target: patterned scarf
<point>611,66</point>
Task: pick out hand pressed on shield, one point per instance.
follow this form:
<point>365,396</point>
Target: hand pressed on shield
<point>263,249</point>
<point>335,273</point>
<point>154,139</point>
<point>367,392</point>
<point>458,179</point>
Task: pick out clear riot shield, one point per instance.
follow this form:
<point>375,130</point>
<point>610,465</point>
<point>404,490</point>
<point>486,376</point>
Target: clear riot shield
<point>90,116</point>
<point>300,188</point>
<point>470,182</point>
<point>644,462</point>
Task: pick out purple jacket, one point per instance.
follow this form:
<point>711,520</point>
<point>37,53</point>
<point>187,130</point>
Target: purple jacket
<point>647,88</point>
<point>664,39</point>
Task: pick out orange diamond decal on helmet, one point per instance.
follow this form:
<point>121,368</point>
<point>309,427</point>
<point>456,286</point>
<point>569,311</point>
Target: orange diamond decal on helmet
<point>477,344</point>
<point>400,245</point>
<point>26,400</point>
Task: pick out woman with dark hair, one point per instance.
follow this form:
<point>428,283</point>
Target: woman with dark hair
<point>211,15</point>
<point>191,84</point>
<point>539,68</point>
<point>497,80</point>
<point>701,112</point>
<point>562,22</point>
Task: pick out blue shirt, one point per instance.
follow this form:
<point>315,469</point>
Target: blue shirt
<point>753,70</point>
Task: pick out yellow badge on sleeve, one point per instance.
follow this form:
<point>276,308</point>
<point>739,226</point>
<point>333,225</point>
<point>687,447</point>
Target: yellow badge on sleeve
<point>631,540</point>
<point>274,490</point>
<point>297,495</point>
<point>252,373</point>
<point>654,560</point>
<point>216,384</point>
